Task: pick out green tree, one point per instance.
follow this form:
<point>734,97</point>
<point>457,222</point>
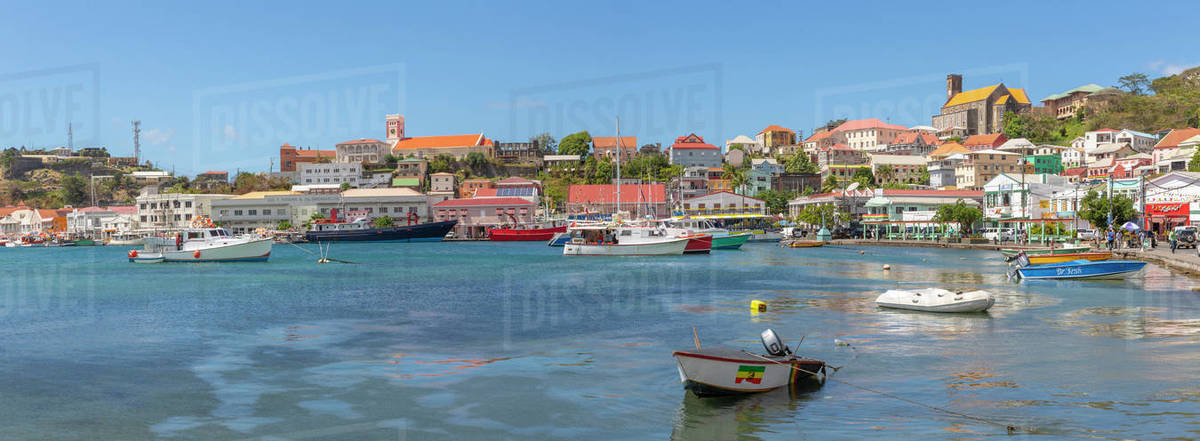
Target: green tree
<point>736,176</point>
<point>74,189</point>
<point>923,176</point>
<point>345,186</point>
<point>545,142</point>
<point>384,222</point>
<point>831,183</point>
<point>390,160</point>
<point>864,177</point>
<point>284,226</point>
<point>777,201</point>
<point>442,163</point>
<point>965,215</point>
<point>824,215</point>
<point>1195,164</point>
<point>604,172</point>
<point>1096,208</point>
<point>1134,83</point>
<point>477,161</point>
<point>885,173</point>
<point>799,163</point>
<point>575,144</point>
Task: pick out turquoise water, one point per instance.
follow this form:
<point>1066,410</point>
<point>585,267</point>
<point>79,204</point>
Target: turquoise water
<point>514,341</point>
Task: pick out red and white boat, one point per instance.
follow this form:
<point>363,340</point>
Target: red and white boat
<point>525,234</point>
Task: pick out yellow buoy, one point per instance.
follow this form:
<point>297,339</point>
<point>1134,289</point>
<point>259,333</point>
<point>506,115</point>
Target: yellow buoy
<point>757,306</point>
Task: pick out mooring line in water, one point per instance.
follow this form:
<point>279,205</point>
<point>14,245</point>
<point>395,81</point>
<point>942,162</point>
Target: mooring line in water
<point>324,257</point>
<point>1009,427</point>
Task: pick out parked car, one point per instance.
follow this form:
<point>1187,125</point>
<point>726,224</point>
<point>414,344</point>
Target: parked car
<point>1002,234</point>
<point>1185,237</point>
<point>1086,234</point>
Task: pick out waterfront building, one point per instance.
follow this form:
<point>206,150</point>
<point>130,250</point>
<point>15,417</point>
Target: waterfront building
<point>985,141</point>
<point>772,137</point>
<point>1169,144</point>
<point>1091,96</point>
<point>361,150</point>
<point>475,216</point>
<point>1015,196</point>
<point>21,220</point>
<point>905,169</point>
<point>979,167</point>
<point>722,204</point>
<point>692,151</point>
<point>852,202</point>
<point>291,157</point>
<point>335,173</point>
<point>978,111</point>
<point>606,147</point>
<point>639,200</point>
<point>101,222</point>
<point>456,146</point>
<point>895,205</point>
<point>172,211</point>
<point>267,209</point>
<point>1172,200</point>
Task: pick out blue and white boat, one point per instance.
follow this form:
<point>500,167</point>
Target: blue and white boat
<point>559,239</point>
<point>1079,269</point>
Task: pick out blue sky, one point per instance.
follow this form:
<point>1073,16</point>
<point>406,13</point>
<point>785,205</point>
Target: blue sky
<point>220,85</point>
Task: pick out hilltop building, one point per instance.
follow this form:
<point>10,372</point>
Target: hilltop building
<point>977,111</point>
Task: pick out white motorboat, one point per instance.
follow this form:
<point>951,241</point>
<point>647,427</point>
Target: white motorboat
<point>601,240</point>
<point>212,244</point>
<point>936,300</point>
<point>728,371</point>
<point>125,240</point>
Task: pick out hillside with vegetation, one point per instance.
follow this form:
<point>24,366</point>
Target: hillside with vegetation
<point>62,183</point>
<point>1146,106</point>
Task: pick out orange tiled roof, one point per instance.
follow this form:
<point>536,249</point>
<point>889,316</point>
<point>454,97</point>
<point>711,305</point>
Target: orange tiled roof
<point>1175,137</point>
<point>426,142</point>
<point>611,141</point>
<point>315,153</point>
<point>992,139</point>
<point>869,123</point>
<point>948,149</point>
<point>775,128</point>
<point>819,136</point>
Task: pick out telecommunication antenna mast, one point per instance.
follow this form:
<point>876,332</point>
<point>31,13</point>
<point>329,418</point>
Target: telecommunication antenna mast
<point>137,145</point>
<point>70,138</point>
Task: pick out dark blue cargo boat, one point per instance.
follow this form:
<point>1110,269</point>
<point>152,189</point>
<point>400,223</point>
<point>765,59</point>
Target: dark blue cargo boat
<point>362,230</point>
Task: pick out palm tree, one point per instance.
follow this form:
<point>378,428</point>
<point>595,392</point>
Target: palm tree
<point>737,179</point>
<point>884,173</point>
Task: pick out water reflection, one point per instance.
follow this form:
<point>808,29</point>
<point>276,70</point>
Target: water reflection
<point>1128,322</point>
<point>740,417</point>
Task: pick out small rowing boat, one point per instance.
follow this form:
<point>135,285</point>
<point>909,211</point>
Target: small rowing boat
<point>936,300</point>
<point>797,243</point>
<point>726,371</point>
<point>1077,269</point>
<point>1060,258</point>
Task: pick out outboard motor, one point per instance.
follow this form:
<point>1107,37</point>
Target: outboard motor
<point>1022,260</point>
<point>774,344</point>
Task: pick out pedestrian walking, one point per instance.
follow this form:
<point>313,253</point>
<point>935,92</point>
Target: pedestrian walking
<point>1171,237</point>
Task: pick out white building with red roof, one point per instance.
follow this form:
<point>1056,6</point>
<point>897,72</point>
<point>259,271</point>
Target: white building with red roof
<point>866,135</point>
<point>1170,143</point>
<point>692,151</point>
<point>476,215</point>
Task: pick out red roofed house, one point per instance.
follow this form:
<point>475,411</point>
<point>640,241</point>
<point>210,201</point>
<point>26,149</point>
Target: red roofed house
<point>458,146</point>
<point>468,187</point>
<point>1073,174</point>
<point>865,135</point>
<point>606,147</point>
<point>290,156</point>
<point>985,142</point>
<point>913,143</point>
<point>773,137</point>
<point>839,154</point>
<point>639,200</point>
<point>362,150</point>
<point>818,140</point>
<point>1170,143</point>
<point>475,216</point>
<point>692,151</point>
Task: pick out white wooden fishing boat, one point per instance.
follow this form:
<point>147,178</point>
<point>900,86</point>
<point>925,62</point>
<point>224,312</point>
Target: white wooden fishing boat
<point>603,240</point>
<point>727,371</point>
<point>207,245</point>
<point>936,300</point>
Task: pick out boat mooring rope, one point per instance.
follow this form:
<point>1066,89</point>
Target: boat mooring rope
<point>1010,428</point>
<point>322,258</point>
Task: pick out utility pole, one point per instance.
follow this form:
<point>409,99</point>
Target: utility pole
<point>137,144</point>
<point>70,138</point>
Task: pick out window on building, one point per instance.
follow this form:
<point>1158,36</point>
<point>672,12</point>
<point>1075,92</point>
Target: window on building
<point>253,212</point>
<point>237,212</point>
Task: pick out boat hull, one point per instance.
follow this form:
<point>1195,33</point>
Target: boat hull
<point>252,251</point>
<point>1109,269</point>
<point>729,242</point>
<point>699,245</point>
<point>428,232</point>
<point>1060,258</point>
<point>559,239</point>
<point>530,235</point>
<point>1012,252</point>
<point>804,244</point>
<point>664,248</point>
<point>711,372</point>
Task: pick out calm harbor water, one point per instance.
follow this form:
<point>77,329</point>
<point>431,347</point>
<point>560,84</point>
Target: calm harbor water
<point>515,341</point>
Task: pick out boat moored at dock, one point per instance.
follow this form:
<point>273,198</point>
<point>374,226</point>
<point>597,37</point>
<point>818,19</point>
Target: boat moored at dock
<point>212,244</point>
<point>1012,252</point>
<point>1078,269</point>
<point>720,371</point>
<point>603,240</point>
<point>361,229</point>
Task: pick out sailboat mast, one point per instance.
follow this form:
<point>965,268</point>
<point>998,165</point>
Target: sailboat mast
<point>618,164</point>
